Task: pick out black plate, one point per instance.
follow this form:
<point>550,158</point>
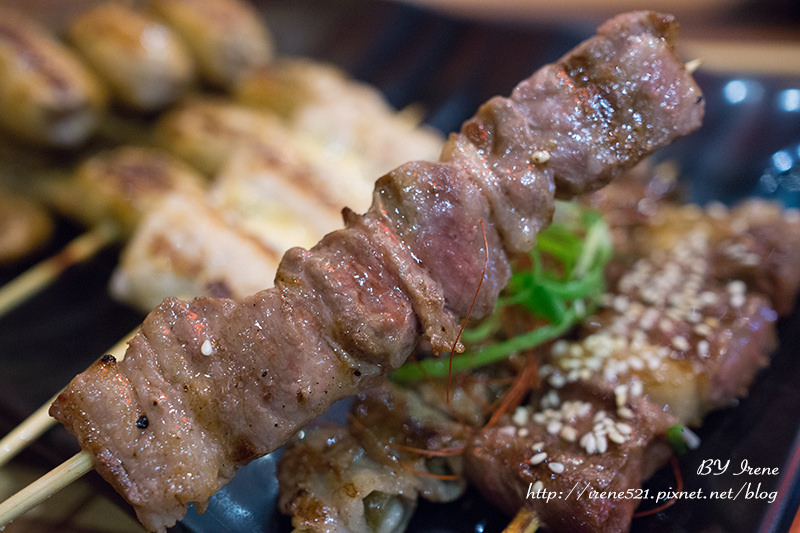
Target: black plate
<point>749,145</point>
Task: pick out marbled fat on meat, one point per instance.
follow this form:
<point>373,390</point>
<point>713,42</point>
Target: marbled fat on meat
<point>210,384</point>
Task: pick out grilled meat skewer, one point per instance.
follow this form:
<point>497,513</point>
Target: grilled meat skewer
<point>210,384</point>
<point>47,95</point>
<point>142,61</point>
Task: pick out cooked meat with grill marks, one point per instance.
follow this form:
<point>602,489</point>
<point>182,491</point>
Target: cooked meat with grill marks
<point>122,185</point>
<point>340,113</point>
<point>185,247</point>
<point>679,333</point>
<point>47,95</point>
<point>25,226</point>
<point>233,380</point>
<point>226,37</point>
<point>573,440</point>
<point>141,60</point>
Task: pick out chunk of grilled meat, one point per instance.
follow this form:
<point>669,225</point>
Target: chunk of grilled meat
<point>185,247</point>
<point>47,95</point>
<point>142,61</point>
<point>208,385</point>
<point>122,184</point>
<point>226,37</point>
<point>368,477</point>
<point>688,322</point>
<point>25,226</point>
<point>340,113</point>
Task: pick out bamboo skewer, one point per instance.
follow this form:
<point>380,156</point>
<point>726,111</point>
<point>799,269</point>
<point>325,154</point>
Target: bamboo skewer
<point>43,488</point>
<point>66,473</point>
<point>40,421</point>
<point>524,521</point>
<point>39,276</point>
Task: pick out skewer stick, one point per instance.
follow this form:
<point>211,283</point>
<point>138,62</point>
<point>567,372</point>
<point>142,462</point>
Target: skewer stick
<point>525,521</point>
<point>39,276</point>
<point>40,490</point>
<point>40,421</point>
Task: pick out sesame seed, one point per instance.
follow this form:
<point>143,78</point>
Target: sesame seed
<point>520,416</point>
<point>703,349</point>
<point>537,446</point>
<point>538,486</point>
<point>737,299</point>
<point>589,443</point>
<point>540,157</point>
<point>557,381</point>
<point>207,348</point>
<point>538,458</point>
<point>616,437</point>
<point>625,412</point>
<point>623,428</point>
<point>680,343</point>
<point>569,433</point>
<point>602,443</point>
<point>704,330</point>
<point>523,432</point>
<point>556,468</point>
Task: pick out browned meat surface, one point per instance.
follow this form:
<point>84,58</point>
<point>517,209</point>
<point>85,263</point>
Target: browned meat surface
<point>576,439</point>
<point>331,485</point>
<point>25,226</point>
<point>210,384</point>
<point>368,477</point>
<point>687,323</point>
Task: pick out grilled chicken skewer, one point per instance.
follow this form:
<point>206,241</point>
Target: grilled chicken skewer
<point>275,186</point>
<point>226,37</point>
<point>109,192</point>
<point>355,305</point>
<point>47,95</point>
<point>145,65</point>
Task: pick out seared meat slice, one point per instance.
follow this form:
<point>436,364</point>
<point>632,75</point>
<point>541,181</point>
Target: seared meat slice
<point>694,341</point>
<point>185,247</point>
<point>25,226</point>
<point>367,478</point>
<point>575,440</point>
<point>345,116</point>
<point>214,383</point>
<point>121,185</point>
<point>683,330</point>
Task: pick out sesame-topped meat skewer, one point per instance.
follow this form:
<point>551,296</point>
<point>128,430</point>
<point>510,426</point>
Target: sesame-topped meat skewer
<point>687,323</point>
<point>210,384</point>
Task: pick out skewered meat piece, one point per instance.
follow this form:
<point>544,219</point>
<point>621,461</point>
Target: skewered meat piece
<point>208,385</point>
<point>143,62</point>
<point>514,465</point>
<point>47,95</point>
<point>258,205</point>
<point>185,247</point>
<point>24,227</point>
<point>122,184</point>
<point>274,184</point>
<point>341,113</point>
<point>366,477</point>
<point>679,334</point>
<point>226,37</point>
